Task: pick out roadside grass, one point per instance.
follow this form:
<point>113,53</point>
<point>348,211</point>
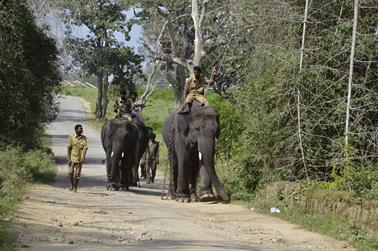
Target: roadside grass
<point>343,215</point>
<point>19,169</point>
<point>335,226</point>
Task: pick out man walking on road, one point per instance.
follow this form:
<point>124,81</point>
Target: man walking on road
<point>76,150</point>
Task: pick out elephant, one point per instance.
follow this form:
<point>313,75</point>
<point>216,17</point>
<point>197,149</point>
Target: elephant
<point>118,140</point>
<point>124,142</point>
<point>191,139</point>
<point>143,135</point>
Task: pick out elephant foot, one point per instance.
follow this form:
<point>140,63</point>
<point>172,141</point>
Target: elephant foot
<point>193,197</point>
<point>170,196</point>
<point>184,198</point>
<point>124,188</point>
<point>112,187</point>
<point>207,196</point>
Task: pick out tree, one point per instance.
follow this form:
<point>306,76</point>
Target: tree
<point>29,75</point>
<point>180,41</point>
<point>269,83</point>
<point>100,53</point>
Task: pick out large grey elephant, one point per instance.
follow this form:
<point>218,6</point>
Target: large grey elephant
<point>124,142</point>
<point>190,139</point>
<point>118,138</point>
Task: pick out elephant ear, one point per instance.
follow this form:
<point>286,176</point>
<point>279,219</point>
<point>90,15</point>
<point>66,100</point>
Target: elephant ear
<point>183,124</point>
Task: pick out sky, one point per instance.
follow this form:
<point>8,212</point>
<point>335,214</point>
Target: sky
<point>57,31</point>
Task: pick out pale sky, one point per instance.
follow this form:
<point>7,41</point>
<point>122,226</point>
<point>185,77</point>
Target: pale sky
<point>57,30</point>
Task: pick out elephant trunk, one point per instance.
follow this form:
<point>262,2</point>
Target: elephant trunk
<point>207,149</point>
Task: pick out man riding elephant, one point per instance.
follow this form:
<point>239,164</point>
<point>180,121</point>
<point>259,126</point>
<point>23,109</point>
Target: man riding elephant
<point>195,88</point>
<point>123,106</point>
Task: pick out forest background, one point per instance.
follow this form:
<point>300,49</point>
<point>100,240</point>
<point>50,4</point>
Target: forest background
<point>297,90</point>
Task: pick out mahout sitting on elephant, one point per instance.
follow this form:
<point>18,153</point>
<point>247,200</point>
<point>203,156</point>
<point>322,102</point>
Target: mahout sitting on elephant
<point>190,139</point>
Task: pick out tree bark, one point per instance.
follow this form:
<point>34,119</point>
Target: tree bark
<point>350,81</point>
<point>105,100</point>
<point>299,93</point>
<point>198,20</point>
<point>179,86</point>
<point>98,110</point>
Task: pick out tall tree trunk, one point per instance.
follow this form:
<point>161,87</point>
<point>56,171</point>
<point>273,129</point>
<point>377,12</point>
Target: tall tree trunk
<point>179,86</point>
<point>105,100</point>
<point>198,19</point>
<point>299,92</point>
<point>98,111</point>
<point>350,81</point>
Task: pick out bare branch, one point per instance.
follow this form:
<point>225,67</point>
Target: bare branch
<point>203,12</point>
<point>171,32</point>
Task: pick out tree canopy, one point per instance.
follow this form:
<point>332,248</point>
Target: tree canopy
<point>29,75</point>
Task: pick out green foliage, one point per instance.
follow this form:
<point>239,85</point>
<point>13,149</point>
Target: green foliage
<point>28,75</point>
<point>319,207</point>
<point>361,179</point>
<point>232,125</point>
<point>17,169</point>
<point>101,53</point>
<point>266,140</point>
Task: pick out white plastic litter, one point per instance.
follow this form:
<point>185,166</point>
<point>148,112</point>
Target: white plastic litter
<point>274,210</point>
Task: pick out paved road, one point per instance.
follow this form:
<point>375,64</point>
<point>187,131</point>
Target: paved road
<point>53,218</point>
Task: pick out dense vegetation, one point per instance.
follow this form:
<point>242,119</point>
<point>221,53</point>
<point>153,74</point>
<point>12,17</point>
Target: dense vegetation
<point>289,110</point>
<point>28,75</point>
<point>28,80</point>
<point>284,93</point>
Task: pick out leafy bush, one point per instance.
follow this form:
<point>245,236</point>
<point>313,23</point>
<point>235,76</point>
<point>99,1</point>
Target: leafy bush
<point>40,165</point>
<point>17,169</point>
<point>13,178</point>
<point>361,179</point>
<point>29,75</point>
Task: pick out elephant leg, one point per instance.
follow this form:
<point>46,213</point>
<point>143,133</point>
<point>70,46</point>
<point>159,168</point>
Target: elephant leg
<point>134,177</point>
<point>148,171</point>
<point>173,165</point>
<point>123,174</point>
<point>114,171</point>
<point>206,191</point>
<point>108,166</point>
<point>182,180</point>
<point>143,170</point>
<point>153,171</point>
<point>194,169</point>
